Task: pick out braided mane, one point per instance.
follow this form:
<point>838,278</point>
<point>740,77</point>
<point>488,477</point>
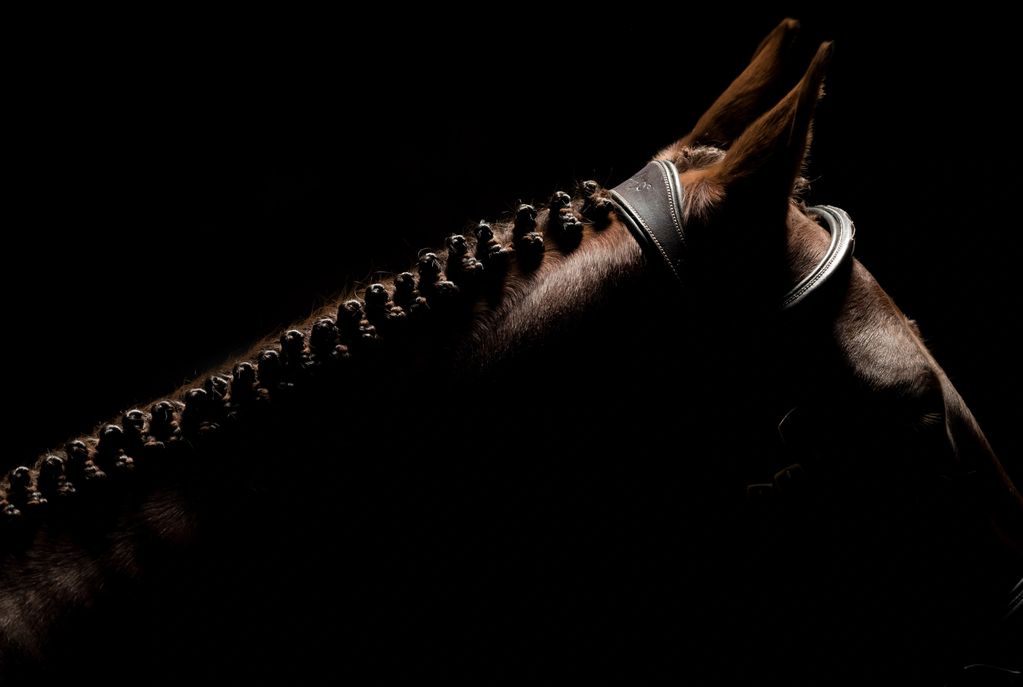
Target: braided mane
<point>448,287</point>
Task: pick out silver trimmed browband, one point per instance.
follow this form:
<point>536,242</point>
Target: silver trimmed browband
<point>649,203</point>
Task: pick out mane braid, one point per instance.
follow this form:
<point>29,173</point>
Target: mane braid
<point>122,457</point>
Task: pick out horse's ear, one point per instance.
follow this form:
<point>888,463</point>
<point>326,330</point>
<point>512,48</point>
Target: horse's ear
<point>769,75</point>
<point>761,168</point>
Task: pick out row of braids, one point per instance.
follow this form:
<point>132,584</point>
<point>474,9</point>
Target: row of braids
<point>132,451</point>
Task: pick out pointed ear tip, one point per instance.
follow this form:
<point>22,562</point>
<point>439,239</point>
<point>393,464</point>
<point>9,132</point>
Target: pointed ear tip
<point>826,50</point>
<point>783,35</point>
<point>788,25</point>
<point>820,62</point>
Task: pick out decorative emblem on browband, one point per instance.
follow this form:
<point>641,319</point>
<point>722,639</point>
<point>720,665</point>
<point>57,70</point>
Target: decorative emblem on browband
<point>650,205</point>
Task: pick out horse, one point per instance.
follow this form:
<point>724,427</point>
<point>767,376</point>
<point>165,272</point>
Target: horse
<point>554,449</point>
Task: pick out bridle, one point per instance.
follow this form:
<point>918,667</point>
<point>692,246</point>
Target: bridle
<point>650,204</point>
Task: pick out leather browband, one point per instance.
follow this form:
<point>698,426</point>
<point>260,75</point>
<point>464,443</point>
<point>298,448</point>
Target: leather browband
<point>649,203</point>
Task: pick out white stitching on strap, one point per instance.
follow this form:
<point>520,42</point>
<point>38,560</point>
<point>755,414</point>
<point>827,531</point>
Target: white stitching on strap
<point>823,270</point>
<point>671,201</point>
<point>621,199</point>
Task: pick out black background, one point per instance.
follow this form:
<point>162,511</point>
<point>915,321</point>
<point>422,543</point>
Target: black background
<point>180,192</point>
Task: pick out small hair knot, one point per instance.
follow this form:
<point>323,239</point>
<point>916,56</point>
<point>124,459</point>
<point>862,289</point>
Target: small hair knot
<point>52,480</point>
<point>396,315</point>
<point>597,209</point>
<point>531,245</point>
<point>134,423</point>
<point>444,292</point>
<point>268,366</point>
<point>292,345</point>
<point>349,315</point>
<point>243,380</point>
<point>404,288</point>
<point>376,296</point>
<point>559,201</point>
<point>77,454</point>
<point>162,423</point>
<point>368,333</point>
<point>419,309</point>
<point>525,220</point>
<point>22,491</point>
<point>323,336</point>
<point>111,440</point>
<point>124,464</point>
<point>568,227</point>
<point>20,478</point>
<point>92,473</point>
<point>470,271</point>
<point>457,246</point>
<point>216,387</point>
<point>9,512</point>
<point>196,403</point>
<point>429,269</point>
<point>488,248</point>
<point>341,353</point>
<point>484,232</point>
<point>51,469</point>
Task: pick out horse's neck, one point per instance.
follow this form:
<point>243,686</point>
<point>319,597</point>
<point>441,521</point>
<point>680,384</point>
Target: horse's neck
<point>315,450</point>
<point>562,291</point>
<point>931,436</point>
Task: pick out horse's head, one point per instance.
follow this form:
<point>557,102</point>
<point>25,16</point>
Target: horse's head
<point>889,490</point>
<point>751,240</point>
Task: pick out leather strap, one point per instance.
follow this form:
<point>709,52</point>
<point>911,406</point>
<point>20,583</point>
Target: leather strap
<point>650,205</point>
<point>837,258</point>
